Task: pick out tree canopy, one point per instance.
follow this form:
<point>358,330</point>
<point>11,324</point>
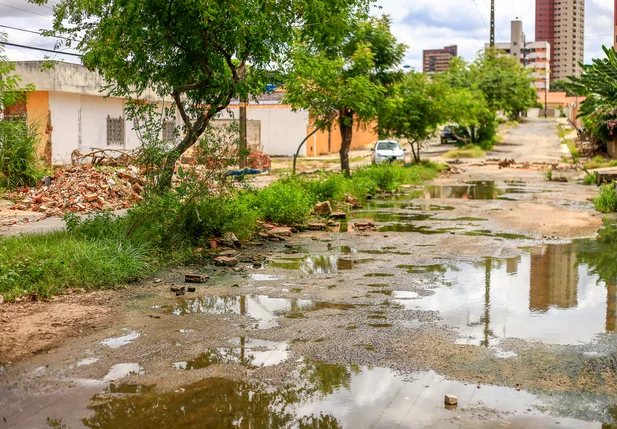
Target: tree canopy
<point>195,52</point>
<point>347,81</point>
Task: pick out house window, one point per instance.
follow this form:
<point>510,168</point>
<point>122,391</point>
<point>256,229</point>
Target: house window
<point>115,131</point>
<point>169,131</point>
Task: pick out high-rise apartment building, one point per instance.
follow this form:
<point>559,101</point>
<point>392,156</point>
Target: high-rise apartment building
<point>562,24</point>
<point>438,60</point>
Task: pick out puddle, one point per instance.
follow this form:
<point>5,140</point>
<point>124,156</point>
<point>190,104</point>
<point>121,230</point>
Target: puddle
<point>121,370</point>
<point>248,352</point>
<point>385,252</point>
<point>262,308</point>
<point>385,216</point>
<point>380,325</point>
<point>556,293</point>
<point>319,396</point>
<point>401,294</point>
<point>129,388</point>
<point>424,269</point>
<point>477,191</point>
<point>489,233</point>
<point>87,361</point>
<point>420,229</point>
<point>378,275</point>
<point>114,343</point>
<point>313,264</point>
<point>264,277</point>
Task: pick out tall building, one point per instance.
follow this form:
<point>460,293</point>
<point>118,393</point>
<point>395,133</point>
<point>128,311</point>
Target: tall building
<point>438,60</point>
<point>535,55</point>
<point>562,24</point>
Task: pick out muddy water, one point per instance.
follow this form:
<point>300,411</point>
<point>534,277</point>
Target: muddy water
<point>316,264</point>
<point>318,395</point>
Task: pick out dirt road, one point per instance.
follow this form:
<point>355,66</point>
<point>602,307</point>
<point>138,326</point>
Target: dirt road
<point>489,285</point>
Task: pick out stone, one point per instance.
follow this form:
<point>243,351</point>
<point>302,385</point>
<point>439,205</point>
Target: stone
<point>279,230</point>
<point>316,226</point>
<point>180,293</point>
<point>451,400</point>
<point>177,289</point>
<point>91,197</point>
<point>195,278</point>
<point>224,261</point>
<point>108,207</point>
<point>192,289</point>
<point>323,209</point>
<point>231,239</point>
<point>338,215</point>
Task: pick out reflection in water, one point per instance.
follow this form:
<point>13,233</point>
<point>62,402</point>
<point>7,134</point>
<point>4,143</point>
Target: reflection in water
<point>321,396</point>
<point>317,264</point>
<point>260,307</point>
<point>557,293</point>
<point>476,191</point>
<point>249,352</point>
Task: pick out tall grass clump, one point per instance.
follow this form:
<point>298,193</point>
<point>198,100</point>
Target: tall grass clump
<point>286,201</point>
<point>606,201</point>
<point>19,164</point>
<point>590,179</point>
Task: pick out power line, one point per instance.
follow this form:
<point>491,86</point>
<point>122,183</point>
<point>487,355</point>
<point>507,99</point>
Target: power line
<point>33,32</point>
<point>24,10</point>
<point>40,49</point>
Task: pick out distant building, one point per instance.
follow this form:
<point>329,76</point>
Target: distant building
<point>535,55</point>
<point>438,60</point>
<point>562,24</point>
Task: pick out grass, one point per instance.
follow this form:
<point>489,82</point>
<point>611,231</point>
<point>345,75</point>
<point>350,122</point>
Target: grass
<point>600,162</point>
<point>606,201</point>
<point>590,179</point>
<point>549,175</point>
<point>106,251</point>
<point>469,151</point>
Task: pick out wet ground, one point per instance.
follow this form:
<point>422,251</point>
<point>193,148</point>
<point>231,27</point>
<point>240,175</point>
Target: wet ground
<point>363,330</point>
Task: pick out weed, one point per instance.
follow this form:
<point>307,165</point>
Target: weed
<point>600,162</point>
<point>549,175</point>
<point>469,151</point>
<point>590,179</point>
<point>285,201</point>
<point>606,201</point>
<point>19,165</point>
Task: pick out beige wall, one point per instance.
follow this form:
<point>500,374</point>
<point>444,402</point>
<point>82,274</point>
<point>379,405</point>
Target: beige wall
<point>37,107</point>
<point>318,144</point>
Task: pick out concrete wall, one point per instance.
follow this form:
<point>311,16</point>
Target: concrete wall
<point>79,122</point>
<point>282,130</point>
<point>362,135</point>
<point>37,107</point>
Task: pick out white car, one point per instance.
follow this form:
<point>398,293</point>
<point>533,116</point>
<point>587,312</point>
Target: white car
<point>387,151</point>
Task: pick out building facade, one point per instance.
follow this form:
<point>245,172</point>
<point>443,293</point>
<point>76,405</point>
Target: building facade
<point>438,60</point>
<point>536,56</point>
<point>561,23</point>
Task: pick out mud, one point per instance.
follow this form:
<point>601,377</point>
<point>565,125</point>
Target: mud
<point>504,302</point>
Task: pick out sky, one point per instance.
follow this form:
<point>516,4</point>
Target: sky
<point>420,24</point>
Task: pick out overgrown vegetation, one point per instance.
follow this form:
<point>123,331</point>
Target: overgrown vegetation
<point>590,179</point>
<point>600,162</point>
<point>19,163</point>
<point>107,251</point>
<point>606,201</point>
<point>468,151</point>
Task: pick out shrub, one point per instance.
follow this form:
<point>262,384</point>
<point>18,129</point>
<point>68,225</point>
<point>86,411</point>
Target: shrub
<point>469,151</point>
<point>606,201</point>
<point>285,202</point>
<point>19,164</point>
<point>590,179</point>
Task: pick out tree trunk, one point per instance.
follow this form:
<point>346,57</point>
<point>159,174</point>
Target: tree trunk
<point>346,126</point>
<point>416,155</point>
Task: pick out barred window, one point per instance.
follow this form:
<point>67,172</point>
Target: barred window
<point>169,130</point>
<point>115,131</point>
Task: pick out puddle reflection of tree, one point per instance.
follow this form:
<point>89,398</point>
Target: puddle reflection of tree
<point>222,403</point>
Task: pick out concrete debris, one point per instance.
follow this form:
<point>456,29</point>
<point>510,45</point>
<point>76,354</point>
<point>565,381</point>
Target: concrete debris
<point>338,215</point>
<point>81,189</point>
<point>323,209</point>
<point>353,202</point>
<point>195,278</point>
<point>317,226</point>
<point>230,239</point>
<point>364,226</point>
<point>225,261</point>
<point>451,400</point>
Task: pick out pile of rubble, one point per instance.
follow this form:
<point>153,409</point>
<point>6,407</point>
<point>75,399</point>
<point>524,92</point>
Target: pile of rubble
<point>81,189</point>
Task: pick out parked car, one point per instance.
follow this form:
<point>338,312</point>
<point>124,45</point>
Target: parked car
<point>387,151</point>
<point>447,135</point>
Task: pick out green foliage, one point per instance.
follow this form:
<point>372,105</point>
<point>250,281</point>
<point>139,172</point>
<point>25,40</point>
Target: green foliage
<point>549,175</point>
<point>606,201</point>
<point>599,254</point>
<point>468,151</point>
<point>598,84</point>
<point>416,107</point>
<point>48,263</point>
<point>196,54</point>
<point>285,202</point>
<point>347,81</point>
<point>590,179</point>
<point>19,164</point>
<point>563,86</point>
<point>11,90</point>
<point>600,162</point>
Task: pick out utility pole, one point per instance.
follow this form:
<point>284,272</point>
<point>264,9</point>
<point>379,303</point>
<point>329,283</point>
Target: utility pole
<point>243,139</point>
<point>492,41</point>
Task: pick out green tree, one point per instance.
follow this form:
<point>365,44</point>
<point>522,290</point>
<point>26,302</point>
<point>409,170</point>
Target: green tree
<point>416,107</point>
<point>598,83</point>
<point>198,54</point>
<point>347,81</point>
<point>11,91</point>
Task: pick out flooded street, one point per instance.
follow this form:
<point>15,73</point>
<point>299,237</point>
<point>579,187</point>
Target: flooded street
<point>494,286</point>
